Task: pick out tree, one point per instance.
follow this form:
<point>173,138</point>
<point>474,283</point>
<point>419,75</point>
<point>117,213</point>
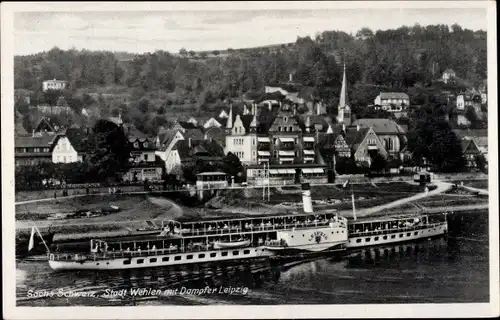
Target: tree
<point>183,52</point>
<point>431,137</point>
<point>378,163</point>
<point>470,114</point>
<point>192,53</point>
<point>108,150</point>
<point>216,52</point>
<point>481,162</point>
<point>232,166</point>
<point>51,96</point>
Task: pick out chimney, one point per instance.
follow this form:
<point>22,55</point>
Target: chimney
<point>306,198</point>
<point>290,77</point>
<point>205,137</point>
<point>357,127</point>
<point>33,133</point>
<point>343,127</point>
<point>189,142</point>
<point>318,111</point>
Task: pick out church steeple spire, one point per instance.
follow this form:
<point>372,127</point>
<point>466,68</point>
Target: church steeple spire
<point>343,92</point>
<point>229,123</point>
<point>344,111</point>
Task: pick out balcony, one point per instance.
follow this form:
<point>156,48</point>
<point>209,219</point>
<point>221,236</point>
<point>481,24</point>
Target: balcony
<point>288,146</point>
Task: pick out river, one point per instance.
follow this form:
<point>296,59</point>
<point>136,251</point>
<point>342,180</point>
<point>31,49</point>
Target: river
<point>444,270</point>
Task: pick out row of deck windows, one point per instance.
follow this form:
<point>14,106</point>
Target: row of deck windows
<point>188,257</point>
<point>385,237</point>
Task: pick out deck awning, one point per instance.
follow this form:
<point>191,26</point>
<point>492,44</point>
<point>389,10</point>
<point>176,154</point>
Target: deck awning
<point>309,152</point>
<point>287,153</point>
<point>372,148</point>
<point>273,171</point>
<point>263,139</point>
<point>307,170</point>
<point>264,153</point>
<point>286,139</point>
<point>308,139</point>
<point>308,159</point>
<point>282,171</point>
<point>318,170</point>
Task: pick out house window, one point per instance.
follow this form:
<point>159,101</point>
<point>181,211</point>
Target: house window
<point>253,142</point>
<point>295,140</point>
<point>291,129</point>
<point>145,144</point>
<point>285,119</point>
<point>279,128</point>
<point>145,157</point>
<point>136,145</point>
<point>275,153</point>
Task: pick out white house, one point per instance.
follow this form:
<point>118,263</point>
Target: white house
<point>240,142</point>
<point>448,74</point>
<point>392,101</point>
<point>69,146</point>
<point>54,85</point>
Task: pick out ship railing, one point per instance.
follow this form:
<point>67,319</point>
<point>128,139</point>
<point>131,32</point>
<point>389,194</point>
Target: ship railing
<point>396,229</point>
<point>257,228</point>
<point>134,254</point>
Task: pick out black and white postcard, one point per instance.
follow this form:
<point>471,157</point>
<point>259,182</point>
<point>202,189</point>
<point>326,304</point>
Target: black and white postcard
<point>249,160</point>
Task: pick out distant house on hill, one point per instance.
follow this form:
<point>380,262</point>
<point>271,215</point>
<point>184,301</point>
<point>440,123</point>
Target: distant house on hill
<point>392,101</point>
<point>54,85</point>
<point>448,74</point>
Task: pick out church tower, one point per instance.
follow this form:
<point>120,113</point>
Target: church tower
<point>344,111</point>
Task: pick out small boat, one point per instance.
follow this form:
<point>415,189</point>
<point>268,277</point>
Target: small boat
<point>232,244</point>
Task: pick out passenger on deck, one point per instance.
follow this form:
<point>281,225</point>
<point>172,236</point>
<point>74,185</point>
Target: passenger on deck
<point>226,227</point>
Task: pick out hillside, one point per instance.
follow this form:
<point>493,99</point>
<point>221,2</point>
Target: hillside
<point>149,88</point>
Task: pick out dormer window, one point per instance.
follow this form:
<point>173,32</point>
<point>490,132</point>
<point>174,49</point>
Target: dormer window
<point>145,144</point>
<point>285,119</point>
<point>136,144</point>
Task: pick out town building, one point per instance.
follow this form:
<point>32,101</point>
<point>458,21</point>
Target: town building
<point>32,150</point>
<point>241,136</point>
<point>470,151</point>
<point>479,136</point>
<point>189,152</point>
<point>276,174</point>
<point>69,146</point>
<point>392,101</point>
<point>211,180</point>
<point>333,145</point>
<point>391,134</point>
<point>143,164</point>
<point>364,144</point>
<point>54,85</point>
<point>448,74</point>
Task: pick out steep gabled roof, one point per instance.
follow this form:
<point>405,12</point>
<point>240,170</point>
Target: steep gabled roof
<point>165,136</point>
<point>354,137</point>
<point>380,126</point>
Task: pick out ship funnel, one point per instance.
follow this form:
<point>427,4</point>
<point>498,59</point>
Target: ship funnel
<point>306,198</point>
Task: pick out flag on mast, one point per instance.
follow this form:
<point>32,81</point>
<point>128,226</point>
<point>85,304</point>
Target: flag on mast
<point>31,244</point>
<point>345,184</point>
<point>353,208</point>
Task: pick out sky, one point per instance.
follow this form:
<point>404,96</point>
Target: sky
<point>147,31</point>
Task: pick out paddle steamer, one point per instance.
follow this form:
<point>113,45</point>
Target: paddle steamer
<point>214,241</point>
